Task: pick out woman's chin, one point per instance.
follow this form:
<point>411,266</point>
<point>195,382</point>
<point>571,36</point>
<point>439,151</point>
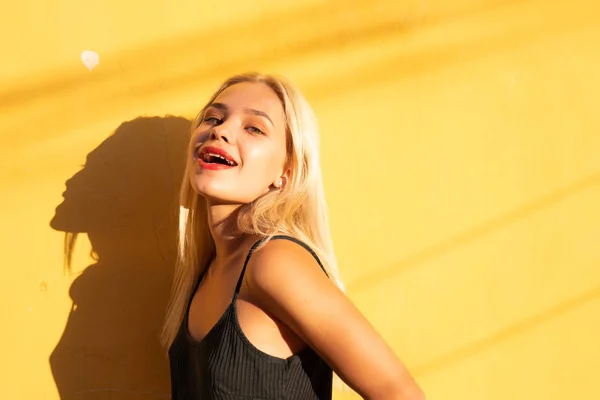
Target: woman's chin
<point>220,195</point>
<point>218,199</point>
<point>210,192</point>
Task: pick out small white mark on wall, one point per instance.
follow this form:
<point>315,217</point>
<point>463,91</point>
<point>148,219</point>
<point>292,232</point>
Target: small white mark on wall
<point>90,59</point>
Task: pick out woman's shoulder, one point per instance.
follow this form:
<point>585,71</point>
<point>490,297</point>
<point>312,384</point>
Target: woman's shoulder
<point>280,257</point>
<point>279,267</point>
<point>286,281</point>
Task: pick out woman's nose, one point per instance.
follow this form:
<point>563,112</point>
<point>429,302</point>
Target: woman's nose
<point>221,133</point>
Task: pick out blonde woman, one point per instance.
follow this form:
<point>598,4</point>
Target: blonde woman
<point>258,310</point>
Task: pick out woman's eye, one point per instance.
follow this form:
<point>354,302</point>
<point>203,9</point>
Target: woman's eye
<point>212,120</point>
<point>254,129</point>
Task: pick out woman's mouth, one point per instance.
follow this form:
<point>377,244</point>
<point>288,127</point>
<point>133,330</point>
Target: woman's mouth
<point>215,158</point>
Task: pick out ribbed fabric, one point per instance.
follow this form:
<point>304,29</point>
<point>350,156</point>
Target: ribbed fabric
<point>224,365</point>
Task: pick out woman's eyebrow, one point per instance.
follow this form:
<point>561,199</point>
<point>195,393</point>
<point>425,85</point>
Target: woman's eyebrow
<point>223,107</point>
<point>219,106</point>
<point>258,112</point>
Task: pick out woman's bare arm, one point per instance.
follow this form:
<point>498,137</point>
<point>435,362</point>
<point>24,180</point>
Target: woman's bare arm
<point>286,281</point>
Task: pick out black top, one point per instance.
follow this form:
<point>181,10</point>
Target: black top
<point>225,365</point>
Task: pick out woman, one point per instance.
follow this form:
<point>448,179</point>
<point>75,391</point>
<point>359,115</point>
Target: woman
<point>258,310</point>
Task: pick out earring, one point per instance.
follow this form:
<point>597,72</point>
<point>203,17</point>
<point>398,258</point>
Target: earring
<point>278,184</point>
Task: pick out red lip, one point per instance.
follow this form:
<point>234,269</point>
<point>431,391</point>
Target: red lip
<point>206,165</point>
<point>218,151</point>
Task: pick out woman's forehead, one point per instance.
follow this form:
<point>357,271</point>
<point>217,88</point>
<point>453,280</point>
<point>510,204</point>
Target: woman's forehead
<point>253,95</point>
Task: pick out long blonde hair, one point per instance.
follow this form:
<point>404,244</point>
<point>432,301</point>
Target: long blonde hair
<point>299,210</point>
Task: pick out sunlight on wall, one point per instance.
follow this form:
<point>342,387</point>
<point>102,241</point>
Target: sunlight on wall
<point>459,140</point>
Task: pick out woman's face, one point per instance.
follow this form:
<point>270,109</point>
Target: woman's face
<point>239,148</point>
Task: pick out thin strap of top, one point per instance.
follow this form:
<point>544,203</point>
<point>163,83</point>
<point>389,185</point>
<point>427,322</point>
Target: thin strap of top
<point>255,245</point>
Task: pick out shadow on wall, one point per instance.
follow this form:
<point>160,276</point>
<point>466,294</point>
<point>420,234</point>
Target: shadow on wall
<point>125,199</point>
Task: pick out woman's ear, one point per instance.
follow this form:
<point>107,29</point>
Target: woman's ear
<point>285,178</point>
<point>282,181</point>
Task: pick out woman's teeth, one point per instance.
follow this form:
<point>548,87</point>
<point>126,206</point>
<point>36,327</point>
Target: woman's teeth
<point>216,158</point>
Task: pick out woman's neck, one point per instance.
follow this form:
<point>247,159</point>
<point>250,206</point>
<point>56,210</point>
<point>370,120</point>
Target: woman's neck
<point>222,222</point>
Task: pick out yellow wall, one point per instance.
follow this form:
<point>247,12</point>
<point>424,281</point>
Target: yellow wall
<point>461,143</point>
